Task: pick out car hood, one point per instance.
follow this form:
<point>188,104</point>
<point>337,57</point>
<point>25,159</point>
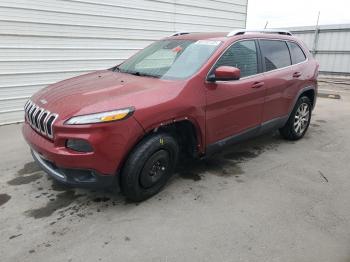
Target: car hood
<point>104,91</point>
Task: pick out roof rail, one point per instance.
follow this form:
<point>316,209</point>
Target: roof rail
<point>266,31</point>
<point>180,33</point>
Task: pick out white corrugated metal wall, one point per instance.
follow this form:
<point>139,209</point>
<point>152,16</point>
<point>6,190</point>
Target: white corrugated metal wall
<point>332,49</point>
<point>44,41</point>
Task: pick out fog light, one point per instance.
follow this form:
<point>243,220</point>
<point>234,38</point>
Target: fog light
<point>79,145</point>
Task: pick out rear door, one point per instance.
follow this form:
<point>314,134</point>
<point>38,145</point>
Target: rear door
<point>299,70</point>
<point>235,106</point>
<point>278,78</point>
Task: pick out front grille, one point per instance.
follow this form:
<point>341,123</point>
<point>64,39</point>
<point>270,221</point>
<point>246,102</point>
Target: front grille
<point>40,119</point>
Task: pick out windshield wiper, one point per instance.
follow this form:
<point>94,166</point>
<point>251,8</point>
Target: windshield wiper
<point>116,68</point>
<point>137,73</point>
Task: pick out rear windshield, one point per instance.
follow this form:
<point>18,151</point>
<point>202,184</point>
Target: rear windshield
<point>170,59</point>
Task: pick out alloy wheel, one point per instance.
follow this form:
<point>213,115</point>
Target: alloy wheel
<point>301,119</point>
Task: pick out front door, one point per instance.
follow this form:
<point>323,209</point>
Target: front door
<point>234,107</point>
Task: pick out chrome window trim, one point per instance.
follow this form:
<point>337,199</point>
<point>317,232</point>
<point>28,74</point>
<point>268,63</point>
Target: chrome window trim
<point>246,77</point>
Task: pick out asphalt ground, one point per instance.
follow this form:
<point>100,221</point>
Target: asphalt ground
<point>266,199</point>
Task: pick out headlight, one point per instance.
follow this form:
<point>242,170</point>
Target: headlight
<point>101,117</point>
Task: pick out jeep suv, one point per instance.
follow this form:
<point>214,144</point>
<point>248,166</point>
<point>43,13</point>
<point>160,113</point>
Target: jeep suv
<point>190,93</point>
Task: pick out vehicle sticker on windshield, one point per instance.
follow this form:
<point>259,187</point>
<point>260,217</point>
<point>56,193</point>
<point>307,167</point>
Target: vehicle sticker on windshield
<point>177,49</point>
<point>207,42</point>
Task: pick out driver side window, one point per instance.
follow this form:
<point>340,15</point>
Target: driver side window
<point>242,55</point>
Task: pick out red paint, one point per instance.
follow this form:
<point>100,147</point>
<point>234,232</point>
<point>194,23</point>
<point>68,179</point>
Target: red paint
<point>227,73</point>
<point>217,110</point>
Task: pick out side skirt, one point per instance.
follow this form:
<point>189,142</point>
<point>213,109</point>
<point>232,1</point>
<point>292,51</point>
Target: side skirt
<point>251,132</point>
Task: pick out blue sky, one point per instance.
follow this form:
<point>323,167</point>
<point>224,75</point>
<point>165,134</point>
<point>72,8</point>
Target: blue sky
<point>289,13</point>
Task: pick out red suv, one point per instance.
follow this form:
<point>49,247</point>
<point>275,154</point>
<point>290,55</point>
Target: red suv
<point>189,93</point>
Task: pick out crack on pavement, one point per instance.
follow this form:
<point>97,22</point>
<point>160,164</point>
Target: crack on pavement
<point>14,236</point>
<point>323,176</point>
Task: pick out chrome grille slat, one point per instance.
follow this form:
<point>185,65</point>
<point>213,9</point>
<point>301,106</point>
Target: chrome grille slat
<point>29,106</point>
<point>49,125</point>
<point>26,105</point>
<point>40,119</point>
<point>36,118</point>
<point>31,113</point>
<point>45,122</point>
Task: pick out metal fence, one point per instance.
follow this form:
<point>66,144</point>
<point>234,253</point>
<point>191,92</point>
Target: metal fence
<point>330,44</point>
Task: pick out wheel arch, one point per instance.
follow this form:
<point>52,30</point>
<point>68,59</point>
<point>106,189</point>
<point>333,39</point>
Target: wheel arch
<point>310,92</point>
<point>186,130</point>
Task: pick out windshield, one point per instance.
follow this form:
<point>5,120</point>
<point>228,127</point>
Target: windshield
<point>170,59</point>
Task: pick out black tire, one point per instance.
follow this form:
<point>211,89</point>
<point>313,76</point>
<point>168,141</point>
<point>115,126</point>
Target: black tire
<point>291,130</point>
<point>149,166</point>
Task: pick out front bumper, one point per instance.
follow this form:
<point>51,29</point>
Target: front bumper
<point>75,177</point>
<point>110,145</point>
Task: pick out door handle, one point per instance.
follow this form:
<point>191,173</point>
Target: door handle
<point>297,74</point>
<point>258,84</point>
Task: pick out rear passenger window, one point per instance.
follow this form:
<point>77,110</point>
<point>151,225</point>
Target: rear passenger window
<point>296,52</point>
<point>242,55</point>
<point>276,54</point>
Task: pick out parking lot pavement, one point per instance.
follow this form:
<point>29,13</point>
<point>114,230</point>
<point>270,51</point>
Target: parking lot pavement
<point>262,200</point>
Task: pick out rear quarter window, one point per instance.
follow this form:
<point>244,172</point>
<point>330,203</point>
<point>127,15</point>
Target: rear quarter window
<point>275,54</point>
<point>296,53</point>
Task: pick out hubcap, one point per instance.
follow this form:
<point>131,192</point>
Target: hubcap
<point>155,168</point>
<point>301,119</point>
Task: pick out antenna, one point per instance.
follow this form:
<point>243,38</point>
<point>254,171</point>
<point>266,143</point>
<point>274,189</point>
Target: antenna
<point>267,22</point>
<point>317,30</point>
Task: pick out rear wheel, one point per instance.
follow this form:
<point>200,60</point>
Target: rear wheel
<point>298,121</point>
<point>149,166</point>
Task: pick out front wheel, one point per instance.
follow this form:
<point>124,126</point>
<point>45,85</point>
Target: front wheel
<point>299,120</point>
<point>149,166</point>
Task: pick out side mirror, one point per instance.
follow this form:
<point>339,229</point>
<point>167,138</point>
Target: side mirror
<point>225,73</point>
